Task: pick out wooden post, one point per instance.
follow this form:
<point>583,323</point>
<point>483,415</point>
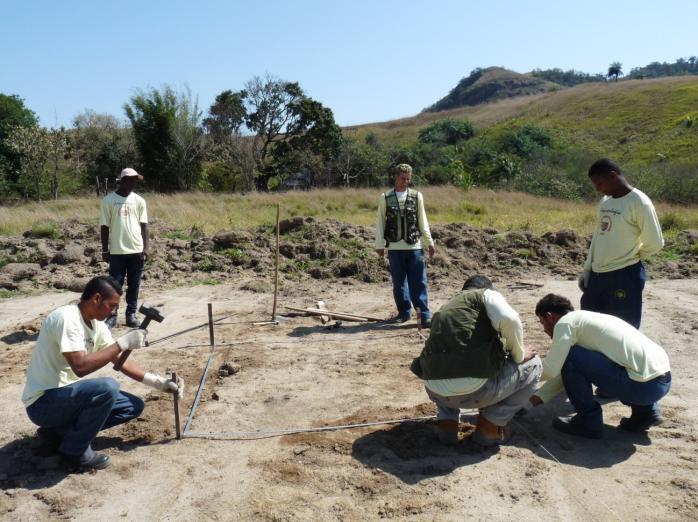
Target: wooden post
<point>210,325</point>
<point>176,408</point>
<point>99,190</point>
<point>276,269</point>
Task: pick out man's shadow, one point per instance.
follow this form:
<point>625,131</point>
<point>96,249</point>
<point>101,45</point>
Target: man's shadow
<point>31,464</point>
<point>616,446</point>
<point>412,453</point>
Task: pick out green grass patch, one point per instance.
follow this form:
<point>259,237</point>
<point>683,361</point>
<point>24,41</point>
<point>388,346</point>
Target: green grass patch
<point>44,230</point>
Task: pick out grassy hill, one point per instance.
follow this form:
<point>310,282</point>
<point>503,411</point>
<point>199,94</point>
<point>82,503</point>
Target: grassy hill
<point>639,123</point>
<point>491,84</point>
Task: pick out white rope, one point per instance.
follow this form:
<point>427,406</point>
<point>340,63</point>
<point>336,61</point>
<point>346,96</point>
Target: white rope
<point>254,435</point>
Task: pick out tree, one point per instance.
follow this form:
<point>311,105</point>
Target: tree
<point>446,132</point>
<point>289,129</point>
<point>101,145</point>
<point>227,147</point>
<point>33,145</point>
<point>13,114</point>
<point>615,70</point>
<point>167,134</point>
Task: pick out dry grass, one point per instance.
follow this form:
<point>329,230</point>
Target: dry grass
<point>213,212</point>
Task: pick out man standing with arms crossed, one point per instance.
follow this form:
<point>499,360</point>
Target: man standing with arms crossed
<point>627,232</point>
<point>402,228</point>
<point>124,233</point>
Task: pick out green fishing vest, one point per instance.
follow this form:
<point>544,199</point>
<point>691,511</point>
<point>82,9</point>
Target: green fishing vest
<point>403,220</point>
<point>462,342</point>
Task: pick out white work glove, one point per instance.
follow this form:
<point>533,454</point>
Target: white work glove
<point>583,280</point>
<point>132,340</point>
<point>164,384</point>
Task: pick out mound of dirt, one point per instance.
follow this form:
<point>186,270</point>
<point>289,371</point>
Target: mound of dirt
<point>309,249</point>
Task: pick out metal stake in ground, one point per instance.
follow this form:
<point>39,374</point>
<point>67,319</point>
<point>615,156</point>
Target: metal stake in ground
<point>176,408</point>
<point>276,270</point>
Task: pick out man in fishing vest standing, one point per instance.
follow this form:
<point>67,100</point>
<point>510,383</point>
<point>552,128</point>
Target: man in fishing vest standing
<point>403,230</point>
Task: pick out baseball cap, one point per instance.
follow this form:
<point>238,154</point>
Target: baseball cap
<point>129,173</point>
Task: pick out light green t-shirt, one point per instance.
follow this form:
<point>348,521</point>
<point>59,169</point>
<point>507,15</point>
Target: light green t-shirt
<point>64,330</point>
<point>626,346</point>
<point>627,231</point>
<point>123,216</point>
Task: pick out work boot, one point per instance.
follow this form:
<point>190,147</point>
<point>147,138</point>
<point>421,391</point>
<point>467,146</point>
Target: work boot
<point>111,322</point>
<point>88,461</point>
<point>399,319</point>
<point>640,422</point>
<point>490,434</point>
<point>132,321</point>
<point>447,431</point>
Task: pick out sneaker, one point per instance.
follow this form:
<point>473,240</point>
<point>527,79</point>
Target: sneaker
<point>569,426</point>
<point>111,322</point>
<point>640,423</point>
<point>88,461</point>
<point>399,319</point>
<point>426,323</point>
<point>132,321</point>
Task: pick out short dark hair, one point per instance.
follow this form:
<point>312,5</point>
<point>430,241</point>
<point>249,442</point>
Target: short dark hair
<point>603,167</point>
<point>477,281</point>
<point>555,304</point>
<point>104,285</point>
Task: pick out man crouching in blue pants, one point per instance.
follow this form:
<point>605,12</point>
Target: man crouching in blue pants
<point>73,342</point>
<point>593,348</point>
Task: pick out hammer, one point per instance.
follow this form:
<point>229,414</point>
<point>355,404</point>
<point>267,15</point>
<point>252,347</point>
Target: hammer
<point>150,313</point>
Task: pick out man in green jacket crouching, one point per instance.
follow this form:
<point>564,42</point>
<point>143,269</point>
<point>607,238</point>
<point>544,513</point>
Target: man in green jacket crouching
<point>475,358</point>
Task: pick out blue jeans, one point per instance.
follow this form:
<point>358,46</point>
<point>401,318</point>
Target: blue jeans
<point>617,293</point>
<point>409,274</point>
<point>79,411</point>
<point>129,266</point>
<point>584,367</point>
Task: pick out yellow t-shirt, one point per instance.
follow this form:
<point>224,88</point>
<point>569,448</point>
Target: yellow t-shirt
<point>64,330</point>
<point>627,231</point>
<point>626,346</point>
<point>123,216</point>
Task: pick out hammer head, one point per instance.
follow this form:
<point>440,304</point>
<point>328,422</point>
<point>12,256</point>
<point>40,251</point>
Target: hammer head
<point>152,313</point>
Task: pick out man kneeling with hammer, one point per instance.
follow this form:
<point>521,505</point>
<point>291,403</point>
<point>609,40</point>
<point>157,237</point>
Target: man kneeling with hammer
<point>475,358</point>
<point>73,342</point>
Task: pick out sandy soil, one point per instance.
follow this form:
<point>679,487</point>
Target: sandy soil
<point>302,374</point>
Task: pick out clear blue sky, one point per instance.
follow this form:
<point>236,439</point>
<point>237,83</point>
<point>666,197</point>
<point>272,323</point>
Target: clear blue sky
<point>367,60</point>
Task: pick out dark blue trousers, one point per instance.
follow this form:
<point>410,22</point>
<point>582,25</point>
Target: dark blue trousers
<point>79,411</point>
<point>129,267</point>
<point>617,293</point>
<point>409,274</point>
<point>584,367</point>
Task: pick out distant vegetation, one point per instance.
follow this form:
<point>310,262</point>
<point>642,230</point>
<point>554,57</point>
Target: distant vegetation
<point>488,85</point>
<point>535,132</point>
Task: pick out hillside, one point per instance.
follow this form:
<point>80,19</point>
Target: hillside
<point>489,85</point>
<point>639,122</point>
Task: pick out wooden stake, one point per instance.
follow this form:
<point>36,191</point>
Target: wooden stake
<point>338,315</point>
<point>176,408</point>
<point>276,270</point>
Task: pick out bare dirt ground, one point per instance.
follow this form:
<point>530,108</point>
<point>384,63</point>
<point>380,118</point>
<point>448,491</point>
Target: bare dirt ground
<point>302,374</point>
